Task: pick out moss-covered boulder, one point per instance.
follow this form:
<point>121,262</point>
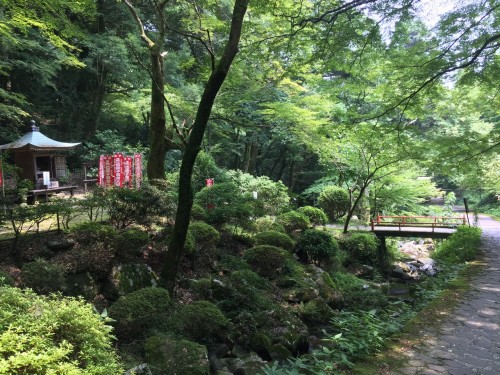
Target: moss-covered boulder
<point>81,284</point>
<point>316,311</point>
<point>279,352</point>
<point>285,328</point>
<point>167,356</point>
<point>310,283</point>
<point>128,278</point>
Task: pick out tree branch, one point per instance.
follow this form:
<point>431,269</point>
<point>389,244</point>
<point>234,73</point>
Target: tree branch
<point>139,23</point>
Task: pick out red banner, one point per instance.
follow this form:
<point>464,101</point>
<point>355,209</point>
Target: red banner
<point>105,171</point>
<point>118,169</point>
<point>138,170</point>
<point>127,171</point>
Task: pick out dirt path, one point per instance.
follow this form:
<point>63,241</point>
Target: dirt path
<point>468,340</point>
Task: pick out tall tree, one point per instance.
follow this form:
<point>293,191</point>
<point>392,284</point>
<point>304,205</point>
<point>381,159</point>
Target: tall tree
<point>160,140</point>
<point>37,39</point>
<point>194,142</point>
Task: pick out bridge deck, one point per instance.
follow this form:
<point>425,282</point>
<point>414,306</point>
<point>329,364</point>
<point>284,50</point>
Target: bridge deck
<point>416,226</point>
<point>391,231</point>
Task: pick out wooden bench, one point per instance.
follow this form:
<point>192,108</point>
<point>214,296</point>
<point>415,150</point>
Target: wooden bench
<point>49,191</point>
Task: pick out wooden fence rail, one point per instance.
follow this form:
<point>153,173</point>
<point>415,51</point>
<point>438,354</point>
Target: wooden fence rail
<point>418,221</point>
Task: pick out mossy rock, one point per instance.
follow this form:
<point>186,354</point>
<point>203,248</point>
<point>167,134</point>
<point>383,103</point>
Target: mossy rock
<point>285,328</point>
<point>317,312</point>
<point>260,342</point>
<point>279,353</point>
<point>167,356</point>
<point>327,290</point>
<point>81,284</point>
<point>128,278</point>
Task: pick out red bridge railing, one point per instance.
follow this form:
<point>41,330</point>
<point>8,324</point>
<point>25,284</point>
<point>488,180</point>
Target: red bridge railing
<point>418,221</point>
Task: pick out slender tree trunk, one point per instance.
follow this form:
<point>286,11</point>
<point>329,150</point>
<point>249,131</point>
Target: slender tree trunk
<point>159,137</point>
<point>193,146</point>
<point>355,204</point>
<point>157,128</point>
<point>252,163</point>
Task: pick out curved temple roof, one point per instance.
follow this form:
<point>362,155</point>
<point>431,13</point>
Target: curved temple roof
<point>36,141</point>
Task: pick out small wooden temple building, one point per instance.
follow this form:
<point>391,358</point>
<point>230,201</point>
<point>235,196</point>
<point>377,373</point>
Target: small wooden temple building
<point>40,158</point>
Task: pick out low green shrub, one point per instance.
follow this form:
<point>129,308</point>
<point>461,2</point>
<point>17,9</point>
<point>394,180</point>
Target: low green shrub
<point>200,321</point>
<point>43,277</point>
<point>316,246</point>
<point>90,232</point>
<point>53,335</point>
<point>361,247</point>
<point>316,215</point>
<point>293,221</point>
<point>267,223</point>
<point>266,260</point>
<point>358,293</point>
<point>131,241</point>
<point>204,234</point>
<point>334,201</point>
<point>140,206</point>
<point>244,290</point>
<point>225,205</point>
<point>136,313</point>
<point>274,238</point>
<point>6,279</point>
<point>197,212</point>
<point>462,246</point>
<point>189,244</point>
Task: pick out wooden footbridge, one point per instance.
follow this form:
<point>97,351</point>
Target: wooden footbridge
<point>416,226</point>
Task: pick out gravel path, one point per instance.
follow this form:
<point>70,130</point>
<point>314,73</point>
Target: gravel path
<point>468,341</point>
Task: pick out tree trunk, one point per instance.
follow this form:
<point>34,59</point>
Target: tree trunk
<point>355,204</point>
<point>252,163</point>
<point>157,129</point>
<point>193,146</point>
<point>159,138</point>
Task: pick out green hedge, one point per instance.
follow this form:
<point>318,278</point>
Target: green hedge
<point>53,335</point>
<point>462,246</point>
<point>274,238</point>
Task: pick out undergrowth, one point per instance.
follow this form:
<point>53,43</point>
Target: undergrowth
<point>354,335</point>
